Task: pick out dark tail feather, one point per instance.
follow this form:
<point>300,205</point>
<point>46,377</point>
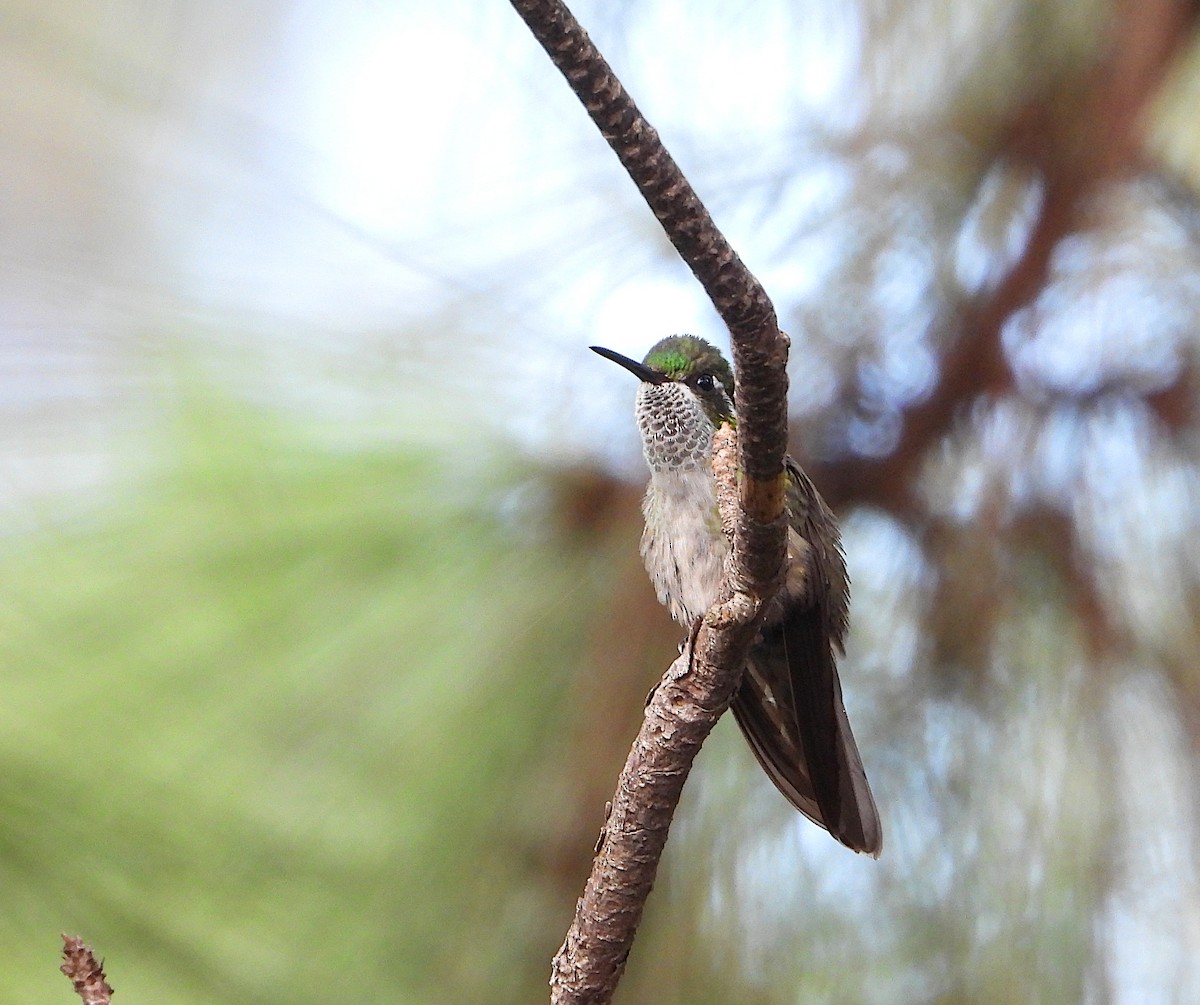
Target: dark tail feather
<point>789,707</point>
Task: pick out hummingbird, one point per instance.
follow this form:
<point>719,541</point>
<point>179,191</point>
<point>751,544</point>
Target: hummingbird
<point>789,702</point>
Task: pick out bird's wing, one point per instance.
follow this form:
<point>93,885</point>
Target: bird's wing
<point>791,713</point>
<point>789,704</point>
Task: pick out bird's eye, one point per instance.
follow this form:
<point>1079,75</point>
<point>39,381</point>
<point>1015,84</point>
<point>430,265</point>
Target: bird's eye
<point>705,382</point>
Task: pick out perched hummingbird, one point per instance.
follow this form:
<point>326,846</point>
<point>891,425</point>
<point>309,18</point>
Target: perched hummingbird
<point>789,703</point>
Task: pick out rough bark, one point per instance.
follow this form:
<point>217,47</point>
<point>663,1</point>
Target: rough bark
<point>695,691</point>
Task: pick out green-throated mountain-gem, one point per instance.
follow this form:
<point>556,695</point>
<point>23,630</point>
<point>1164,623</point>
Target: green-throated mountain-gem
<point>789,703</point>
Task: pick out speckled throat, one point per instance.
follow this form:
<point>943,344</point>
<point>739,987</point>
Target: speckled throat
<point>676,432</point>
<point>682,545</point>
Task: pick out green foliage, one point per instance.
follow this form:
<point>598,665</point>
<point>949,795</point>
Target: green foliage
<point>278,725</point>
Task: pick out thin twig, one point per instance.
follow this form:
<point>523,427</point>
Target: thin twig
<point>87,976</point>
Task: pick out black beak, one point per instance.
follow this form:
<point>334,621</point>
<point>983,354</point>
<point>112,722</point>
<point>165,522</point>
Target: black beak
<point>639,370</point>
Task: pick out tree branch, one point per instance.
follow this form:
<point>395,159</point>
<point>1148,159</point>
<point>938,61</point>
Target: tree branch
<point>697,688</point>
<point>1078,137</point>
<point>759,350</point>
<point>684,707</point>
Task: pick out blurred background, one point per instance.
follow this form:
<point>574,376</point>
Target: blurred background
<point>323,631</point>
